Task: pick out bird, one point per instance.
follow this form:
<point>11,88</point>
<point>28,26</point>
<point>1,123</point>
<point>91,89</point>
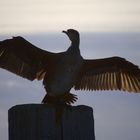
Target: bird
<point>60,72</point>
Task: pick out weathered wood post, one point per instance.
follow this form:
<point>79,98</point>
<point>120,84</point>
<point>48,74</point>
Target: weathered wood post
<point>37,122</point>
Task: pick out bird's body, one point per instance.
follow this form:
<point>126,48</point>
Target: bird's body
<point>62,71</point>
<point>62,76</point>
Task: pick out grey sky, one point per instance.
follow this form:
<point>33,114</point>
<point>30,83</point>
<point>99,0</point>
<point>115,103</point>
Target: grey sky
<point>117,114</point>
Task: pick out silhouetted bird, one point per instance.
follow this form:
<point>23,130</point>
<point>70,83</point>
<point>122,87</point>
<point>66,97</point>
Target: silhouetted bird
<point>62,71</point>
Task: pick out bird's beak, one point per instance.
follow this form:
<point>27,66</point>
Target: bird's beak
<point>64,32</point>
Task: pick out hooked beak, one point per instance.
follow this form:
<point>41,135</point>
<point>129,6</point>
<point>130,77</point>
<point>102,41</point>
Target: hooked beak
<point>64,32</point>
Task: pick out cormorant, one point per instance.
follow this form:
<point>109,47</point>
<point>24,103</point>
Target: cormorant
<point>62,71</point>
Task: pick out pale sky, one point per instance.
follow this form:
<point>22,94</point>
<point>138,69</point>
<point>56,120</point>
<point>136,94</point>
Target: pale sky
<point>55,15</point>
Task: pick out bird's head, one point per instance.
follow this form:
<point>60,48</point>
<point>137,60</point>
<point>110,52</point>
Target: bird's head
<point>72,34</point>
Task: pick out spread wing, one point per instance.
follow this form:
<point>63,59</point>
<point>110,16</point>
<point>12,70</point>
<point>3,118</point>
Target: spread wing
<point>19,56</point>
<point>113,73</point>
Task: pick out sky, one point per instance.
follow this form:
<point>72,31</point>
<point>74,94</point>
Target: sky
<point>85,15</point>
<point>107,28</point>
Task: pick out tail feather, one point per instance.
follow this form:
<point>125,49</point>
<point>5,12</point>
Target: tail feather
<point>59,114</point>
<point>60,99</point>
<point>59,103</point>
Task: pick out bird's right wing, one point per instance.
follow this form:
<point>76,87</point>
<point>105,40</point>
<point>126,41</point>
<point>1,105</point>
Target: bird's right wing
<point>19,56</point>
<point>114,73</point>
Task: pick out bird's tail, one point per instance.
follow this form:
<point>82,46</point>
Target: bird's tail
<point>67,99</point>
<point>59,111</point>
<point>60,103</point>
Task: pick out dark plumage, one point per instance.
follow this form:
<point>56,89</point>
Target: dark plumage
<point>62,71</point>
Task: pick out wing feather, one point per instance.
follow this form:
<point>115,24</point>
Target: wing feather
<point>114,73</point>
<point>19,56</point>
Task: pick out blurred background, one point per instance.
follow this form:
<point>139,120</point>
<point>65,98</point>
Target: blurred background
<point>107,28</point>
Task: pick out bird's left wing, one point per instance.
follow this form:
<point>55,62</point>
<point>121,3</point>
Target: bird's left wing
<point>113,73</point>
<point>19,56</point>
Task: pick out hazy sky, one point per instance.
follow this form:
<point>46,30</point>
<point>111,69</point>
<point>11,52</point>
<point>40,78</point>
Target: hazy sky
<point>85,15</point>
<point>117,115</point>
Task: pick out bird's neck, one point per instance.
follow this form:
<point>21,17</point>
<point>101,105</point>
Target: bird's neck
<point>75,43</point>
<point>74,47</point>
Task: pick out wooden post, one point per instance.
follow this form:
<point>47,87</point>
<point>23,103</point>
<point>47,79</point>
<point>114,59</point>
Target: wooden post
<point>37,122</point>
